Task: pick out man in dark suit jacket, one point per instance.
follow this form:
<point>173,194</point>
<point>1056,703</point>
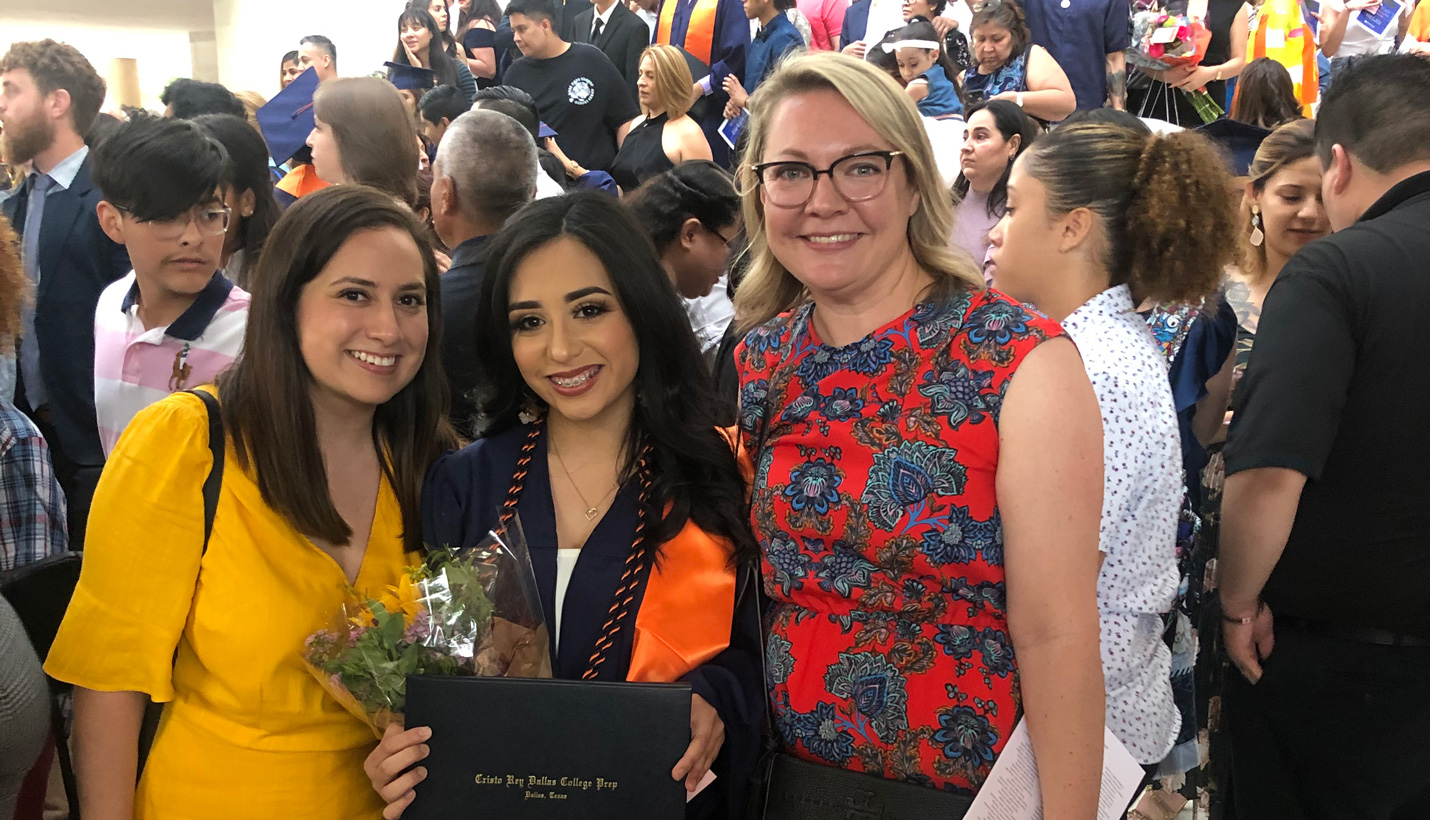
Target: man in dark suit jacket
<point>623,36</point>
<point>485,171</point>
<point>52,97</point>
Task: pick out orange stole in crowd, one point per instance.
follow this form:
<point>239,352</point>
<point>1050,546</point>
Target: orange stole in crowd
<point>1282,34</point>
<point>1420,24</point>
<point>688,608</point>
<point>301,181</point>
<point>699,30</point>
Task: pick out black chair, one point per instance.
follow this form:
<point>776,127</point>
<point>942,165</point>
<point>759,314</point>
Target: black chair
<point>40,593</point>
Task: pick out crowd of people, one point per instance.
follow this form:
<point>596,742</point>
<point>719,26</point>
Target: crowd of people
<point>899,379</point>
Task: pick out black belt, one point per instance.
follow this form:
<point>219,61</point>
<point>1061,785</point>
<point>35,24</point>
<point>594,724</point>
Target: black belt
<point>1356,634</point>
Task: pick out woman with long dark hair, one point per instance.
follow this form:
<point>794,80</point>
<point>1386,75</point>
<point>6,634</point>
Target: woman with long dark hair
<point>476,34</point>
<point>330,420</point>
<point>1265,95</point>
<point>364,134</point>
<point>250,198</point>
<point>997,133</point>
<point>422,43</point>
<point>438,10</point>
<point>600,435</point>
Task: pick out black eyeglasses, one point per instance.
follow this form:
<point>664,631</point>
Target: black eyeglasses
<point>726,240</point>
<point>856,178</point>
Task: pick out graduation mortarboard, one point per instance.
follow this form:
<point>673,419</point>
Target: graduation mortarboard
<point>410,78</point>
<point>1238,140</point>
<point>287,119</point>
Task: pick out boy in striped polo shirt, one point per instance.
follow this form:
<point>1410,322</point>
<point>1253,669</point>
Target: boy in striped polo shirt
<point>175,321</point>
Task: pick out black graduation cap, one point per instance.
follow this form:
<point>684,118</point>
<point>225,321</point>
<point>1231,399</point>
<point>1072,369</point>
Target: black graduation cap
<point>287,119</point>
<point>410,78</point>
<point>1238,140</point>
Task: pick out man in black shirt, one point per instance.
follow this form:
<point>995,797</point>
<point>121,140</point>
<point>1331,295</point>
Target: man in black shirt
<point>578,91</point>
<point>1326,515</point>
<point>485,171</point>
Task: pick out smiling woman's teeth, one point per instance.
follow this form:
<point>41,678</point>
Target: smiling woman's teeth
<point>575,381</point>
<point>830,240</point>
<point>380,361</point>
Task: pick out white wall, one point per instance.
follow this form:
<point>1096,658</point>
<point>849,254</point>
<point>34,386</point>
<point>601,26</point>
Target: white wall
<point>253,35</point>
<point>160,54</point>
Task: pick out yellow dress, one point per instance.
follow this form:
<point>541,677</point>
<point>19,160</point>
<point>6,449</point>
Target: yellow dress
<point>247,732</point>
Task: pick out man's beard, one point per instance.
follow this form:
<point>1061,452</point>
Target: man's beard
<point>21,141</point>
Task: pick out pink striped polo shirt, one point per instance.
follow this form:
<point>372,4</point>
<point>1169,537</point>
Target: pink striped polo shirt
<point>135,367</point>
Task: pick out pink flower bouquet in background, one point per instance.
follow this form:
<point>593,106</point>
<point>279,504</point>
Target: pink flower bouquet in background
<point>1161,41</point>
<point>471,611</point>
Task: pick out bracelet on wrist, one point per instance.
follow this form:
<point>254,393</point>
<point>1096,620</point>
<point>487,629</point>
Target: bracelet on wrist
<point>1260,605</point>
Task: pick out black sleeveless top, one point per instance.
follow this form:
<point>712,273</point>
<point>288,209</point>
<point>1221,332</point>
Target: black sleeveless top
<point>641,156</point>
<point>1220,16</point>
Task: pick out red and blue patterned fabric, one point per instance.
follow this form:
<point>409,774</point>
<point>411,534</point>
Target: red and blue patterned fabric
<point>888,648</point>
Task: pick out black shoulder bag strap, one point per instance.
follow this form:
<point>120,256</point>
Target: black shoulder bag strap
<point>212,484</point>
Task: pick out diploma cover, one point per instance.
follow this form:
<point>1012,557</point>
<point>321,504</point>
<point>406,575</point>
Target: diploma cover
<point>518,748</point>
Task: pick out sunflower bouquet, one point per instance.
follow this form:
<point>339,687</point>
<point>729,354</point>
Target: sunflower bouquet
<point>472,611</point>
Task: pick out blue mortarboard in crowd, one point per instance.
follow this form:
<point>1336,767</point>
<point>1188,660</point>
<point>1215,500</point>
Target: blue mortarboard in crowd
<point>287,119</point>
<point>1238,141</point>
<point>410,78</point>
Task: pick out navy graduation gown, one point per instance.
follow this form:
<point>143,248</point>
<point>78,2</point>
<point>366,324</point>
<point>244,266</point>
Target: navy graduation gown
<point>461,504</point>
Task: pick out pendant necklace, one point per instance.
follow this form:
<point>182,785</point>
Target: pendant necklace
<point>591,509</point>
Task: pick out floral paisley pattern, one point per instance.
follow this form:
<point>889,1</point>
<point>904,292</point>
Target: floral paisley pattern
<point>882,544</point>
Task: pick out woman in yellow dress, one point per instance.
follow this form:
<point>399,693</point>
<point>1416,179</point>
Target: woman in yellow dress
<point>332,416</point>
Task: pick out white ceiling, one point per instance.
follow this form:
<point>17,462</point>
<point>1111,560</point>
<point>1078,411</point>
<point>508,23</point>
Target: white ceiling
<point>188,15</point>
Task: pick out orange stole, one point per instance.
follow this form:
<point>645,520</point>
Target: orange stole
<point>688,608</point>
<point>1420,23</point>
<point>301,181</point>
<point>699,30</point>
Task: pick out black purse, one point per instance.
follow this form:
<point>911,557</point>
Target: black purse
<point>212,484</point>
<point>787,788</point>
<point>795,789</point>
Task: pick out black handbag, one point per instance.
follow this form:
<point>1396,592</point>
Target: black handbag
<point>795,789</point>
<point>212,484</point>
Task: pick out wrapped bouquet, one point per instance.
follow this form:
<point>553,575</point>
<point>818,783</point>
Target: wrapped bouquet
<point>1162,41</point>
<point>472,611</point>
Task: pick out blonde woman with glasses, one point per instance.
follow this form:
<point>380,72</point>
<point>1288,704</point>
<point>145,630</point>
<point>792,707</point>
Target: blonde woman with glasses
<point>666,135</point>
<point>928,524</point>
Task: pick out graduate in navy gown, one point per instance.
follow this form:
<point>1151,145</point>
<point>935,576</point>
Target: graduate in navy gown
<point>600,437</point>
<point>717,33</point>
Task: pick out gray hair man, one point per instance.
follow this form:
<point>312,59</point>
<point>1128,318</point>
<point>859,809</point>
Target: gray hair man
<point>485,171</point>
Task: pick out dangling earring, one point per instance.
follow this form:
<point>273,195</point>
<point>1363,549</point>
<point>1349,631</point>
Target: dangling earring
<point>1257,237</point>
<point>530,412</point>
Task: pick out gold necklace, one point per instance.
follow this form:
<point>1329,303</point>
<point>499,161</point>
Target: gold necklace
<point>591,509</point>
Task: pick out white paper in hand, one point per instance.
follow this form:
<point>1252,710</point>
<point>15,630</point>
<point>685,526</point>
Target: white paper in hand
<point>1012,792</point>
<point>700,787</point>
